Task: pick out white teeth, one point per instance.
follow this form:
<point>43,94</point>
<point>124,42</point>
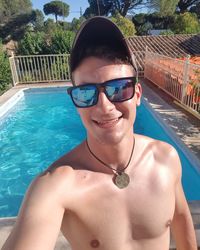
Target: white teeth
<point>110,121</point>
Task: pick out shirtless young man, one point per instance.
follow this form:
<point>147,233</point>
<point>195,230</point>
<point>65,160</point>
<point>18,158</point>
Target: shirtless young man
<point>118,190</point>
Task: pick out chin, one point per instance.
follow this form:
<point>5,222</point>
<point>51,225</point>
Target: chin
<point>109,139</point>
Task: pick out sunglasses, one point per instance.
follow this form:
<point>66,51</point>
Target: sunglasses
<point>116,90</point>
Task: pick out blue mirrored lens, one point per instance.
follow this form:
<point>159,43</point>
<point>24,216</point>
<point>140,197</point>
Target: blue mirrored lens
<point>120,90</point>
<point>84,96</point>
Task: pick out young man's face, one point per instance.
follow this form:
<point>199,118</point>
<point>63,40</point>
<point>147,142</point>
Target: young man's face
<point>107,122</point>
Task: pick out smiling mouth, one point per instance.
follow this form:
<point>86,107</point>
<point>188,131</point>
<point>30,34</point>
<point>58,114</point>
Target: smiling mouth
<point>108,123</point>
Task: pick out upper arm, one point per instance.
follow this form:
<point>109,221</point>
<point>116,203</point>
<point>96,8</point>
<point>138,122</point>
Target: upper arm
<point>180,200</point>
<point>40,217</point>
<point>182,225</point>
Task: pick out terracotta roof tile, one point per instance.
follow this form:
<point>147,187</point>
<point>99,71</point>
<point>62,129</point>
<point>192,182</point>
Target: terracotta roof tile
<point>176,46</point>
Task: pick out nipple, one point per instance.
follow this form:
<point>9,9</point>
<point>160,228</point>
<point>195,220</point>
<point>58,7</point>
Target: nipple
<point>94,243</point>
<point>168,223</point>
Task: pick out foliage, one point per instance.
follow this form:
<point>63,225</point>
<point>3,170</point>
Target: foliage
<point>50,26</point>
<point>164,7</point>
<point>99,7</point>
<point>16,26</point>
<point>5,73</point>
<point>33,43</point>
<point>61,42</point>
<point>106,7</point>
<point>38,43</point>
<point>57,8</point>
<point>76,23</point>
<point>10,8</point>
<point>185,5</point>
<point>186,23</point>
<point>144,22</point>
<point>144,29</point>
<point>125,25</point>
<point>167,33</point>
<point>60,71</point>
<point>196,9</point>
<point>38,20</point>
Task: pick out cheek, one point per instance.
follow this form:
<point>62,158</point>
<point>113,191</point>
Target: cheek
<point>128,106</point>
<point>84,115</point>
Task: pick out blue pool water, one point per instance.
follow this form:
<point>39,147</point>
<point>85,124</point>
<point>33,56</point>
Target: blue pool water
<point>44,125</point>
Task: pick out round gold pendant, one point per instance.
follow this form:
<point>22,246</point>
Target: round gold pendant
<point>122,180</point>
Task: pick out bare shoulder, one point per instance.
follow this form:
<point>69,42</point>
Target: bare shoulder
<point>52,181</point>
<point>57,178</point>
<point>164,154</point>
<point>43,199</point>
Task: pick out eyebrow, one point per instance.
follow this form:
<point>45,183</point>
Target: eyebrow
<point>97,83</point>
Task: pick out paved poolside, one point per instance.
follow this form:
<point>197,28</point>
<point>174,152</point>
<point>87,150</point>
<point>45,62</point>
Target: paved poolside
<point>184,125</point>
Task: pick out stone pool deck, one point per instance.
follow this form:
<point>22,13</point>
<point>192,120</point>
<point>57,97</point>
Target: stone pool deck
<point>184,125</point>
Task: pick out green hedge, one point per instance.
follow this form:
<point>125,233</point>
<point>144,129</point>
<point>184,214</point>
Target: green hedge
<point>5,72</point>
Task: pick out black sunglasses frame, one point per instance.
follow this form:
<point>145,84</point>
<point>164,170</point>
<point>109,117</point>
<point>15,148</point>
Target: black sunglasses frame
<point>100,86</point>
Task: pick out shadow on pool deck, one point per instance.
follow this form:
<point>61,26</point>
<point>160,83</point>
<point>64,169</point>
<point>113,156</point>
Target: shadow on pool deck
<point>186,126</point>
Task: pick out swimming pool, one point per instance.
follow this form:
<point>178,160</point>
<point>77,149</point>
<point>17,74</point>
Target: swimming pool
<point>43,125</point>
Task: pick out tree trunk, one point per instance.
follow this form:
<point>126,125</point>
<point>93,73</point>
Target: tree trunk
<point>125,8</point>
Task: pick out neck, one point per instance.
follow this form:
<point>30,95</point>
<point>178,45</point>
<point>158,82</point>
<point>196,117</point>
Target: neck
<point>116,155</point>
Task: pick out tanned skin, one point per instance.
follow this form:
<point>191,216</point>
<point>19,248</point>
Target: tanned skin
<point>77,193</point>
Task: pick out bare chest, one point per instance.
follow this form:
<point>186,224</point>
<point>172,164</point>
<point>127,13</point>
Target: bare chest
<point>101,211</point>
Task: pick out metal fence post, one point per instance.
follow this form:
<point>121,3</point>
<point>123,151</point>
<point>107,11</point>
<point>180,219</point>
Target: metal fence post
<point>13,69</point>
<point>185,77</point>
<point>145,60</point>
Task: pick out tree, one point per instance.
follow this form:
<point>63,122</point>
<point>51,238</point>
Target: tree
<point>125,25</point>
<point>106,7</point>
<point>196,9</point>
<point>57,8</point>
<point>186,23</point>
<point>185,5</point>
<point>98,7</point>
<point>50,26</point>
<point>38,20</point>
<point>76,23</point>
<point>123,6</point>
<point>164,7</point>
<point>10,8</point>
<point>16,26</point>
<point>144,22</point>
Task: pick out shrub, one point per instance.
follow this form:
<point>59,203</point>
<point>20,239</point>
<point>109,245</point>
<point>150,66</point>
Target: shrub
<point>61,42</point>
<point>126,26</point>
<point>186,23</point>
<point>32,44</point>
<point>167,33</point>
<point>5,72</point>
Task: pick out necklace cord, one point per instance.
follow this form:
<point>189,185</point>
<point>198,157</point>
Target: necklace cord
<point>105,164</point>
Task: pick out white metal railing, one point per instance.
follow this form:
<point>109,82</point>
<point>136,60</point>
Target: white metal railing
<point>39,68</point>
<point>177,77</point>
<point>50,68</point>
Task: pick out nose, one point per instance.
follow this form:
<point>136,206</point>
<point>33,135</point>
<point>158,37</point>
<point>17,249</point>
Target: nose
<point>103,104</point>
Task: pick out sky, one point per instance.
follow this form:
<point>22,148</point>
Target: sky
<point>74,6</point>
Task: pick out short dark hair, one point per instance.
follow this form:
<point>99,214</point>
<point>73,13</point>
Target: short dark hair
<point>103,52</point>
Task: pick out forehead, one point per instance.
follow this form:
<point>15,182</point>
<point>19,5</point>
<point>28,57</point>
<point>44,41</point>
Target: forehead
<point>96,70</point>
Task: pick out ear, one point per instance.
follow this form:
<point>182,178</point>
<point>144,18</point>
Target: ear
<point>138,93</point>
